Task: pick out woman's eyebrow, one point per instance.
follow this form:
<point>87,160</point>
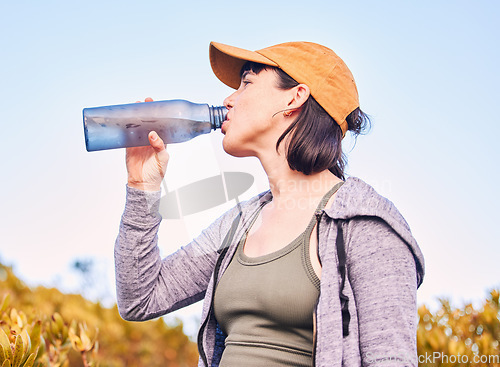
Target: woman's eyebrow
<point>245,73</point>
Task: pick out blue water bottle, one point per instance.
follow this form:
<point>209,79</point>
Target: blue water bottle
<point>128,125</point>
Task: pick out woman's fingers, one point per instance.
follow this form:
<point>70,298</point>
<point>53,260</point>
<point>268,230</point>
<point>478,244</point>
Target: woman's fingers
<point>148,99</point>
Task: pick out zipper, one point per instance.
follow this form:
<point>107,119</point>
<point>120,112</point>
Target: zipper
<point>315,332</point>
<point>203,356</point>
<point>210,310</point>
<point>345,311</point>
<point>318,215</point>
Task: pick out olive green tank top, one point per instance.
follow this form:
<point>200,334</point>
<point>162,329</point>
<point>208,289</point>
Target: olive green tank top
<point>265,304</point>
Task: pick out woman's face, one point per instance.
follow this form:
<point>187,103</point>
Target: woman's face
<point>253,124</point>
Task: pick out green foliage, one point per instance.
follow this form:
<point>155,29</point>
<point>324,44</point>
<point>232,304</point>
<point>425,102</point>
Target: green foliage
<point>44,327</point>
<point>460,337</point>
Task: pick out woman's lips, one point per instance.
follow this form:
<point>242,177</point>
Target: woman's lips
<point>224,125</point>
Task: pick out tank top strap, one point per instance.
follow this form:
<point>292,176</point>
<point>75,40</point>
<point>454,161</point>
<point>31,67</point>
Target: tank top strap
<point>328,195</point>
<point>322,204</point>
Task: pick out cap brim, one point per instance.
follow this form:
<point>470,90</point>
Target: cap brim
<point>227,61</point>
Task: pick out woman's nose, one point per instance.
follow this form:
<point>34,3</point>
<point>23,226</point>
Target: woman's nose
<point>229,101</point>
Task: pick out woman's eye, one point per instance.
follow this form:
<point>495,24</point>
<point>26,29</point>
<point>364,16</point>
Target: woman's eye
<point>245,82</point>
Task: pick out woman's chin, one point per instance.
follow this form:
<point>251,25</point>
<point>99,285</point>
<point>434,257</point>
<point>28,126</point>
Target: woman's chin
<point>233,148</point>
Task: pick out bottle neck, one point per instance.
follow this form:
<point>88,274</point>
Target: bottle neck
<point>217,116</point>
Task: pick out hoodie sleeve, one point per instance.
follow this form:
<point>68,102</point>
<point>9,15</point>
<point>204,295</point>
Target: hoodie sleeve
<point>146,285</point>
<point>383,278</point>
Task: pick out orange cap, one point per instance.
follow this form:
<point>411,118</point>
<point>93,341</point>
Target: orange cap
<point>327,76</point>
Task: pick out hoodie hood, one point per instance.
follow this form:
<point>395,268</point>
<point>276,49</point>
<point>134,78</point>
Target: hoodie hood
<point>356,198</point>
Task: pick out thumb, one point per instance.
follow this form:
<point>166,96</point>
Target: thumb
<point>158,145</point>
<point>156,142</point>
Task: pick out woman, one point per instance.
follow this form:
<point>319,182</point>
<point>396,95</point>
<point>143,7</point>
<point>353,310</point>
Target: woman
<point>319,270</point>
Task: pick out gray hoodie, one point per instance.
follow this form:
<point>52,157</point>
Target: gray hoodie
<point>384,269</point>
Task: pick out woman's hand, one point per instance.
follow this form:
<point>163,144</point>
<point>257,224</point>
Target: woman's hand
<point>146,166</point>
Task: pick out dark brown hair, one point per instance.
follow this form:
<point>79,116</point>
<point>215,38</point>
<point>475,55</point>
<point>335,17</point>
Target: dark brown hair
<point>315,139</point>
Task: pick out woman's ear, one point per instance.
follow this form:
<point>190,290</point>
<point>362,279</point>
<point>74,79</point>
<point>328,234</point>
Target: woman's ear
<point>299,96</point>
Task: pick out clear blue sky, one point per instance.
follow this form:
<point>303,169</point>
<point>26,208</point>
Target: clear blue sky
<point>427,73</point>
